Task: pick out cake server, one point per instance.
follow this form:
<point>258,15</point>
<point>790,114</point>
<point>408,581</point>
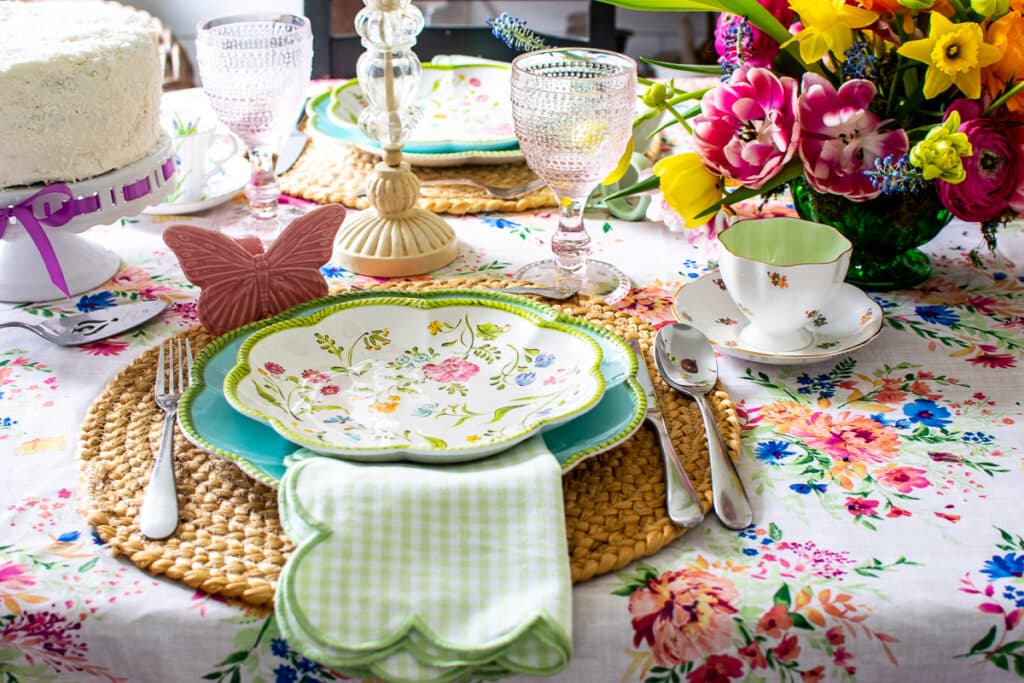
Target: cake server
<point>83,328</point>
<point>292,146</point>
<point>684,508</point>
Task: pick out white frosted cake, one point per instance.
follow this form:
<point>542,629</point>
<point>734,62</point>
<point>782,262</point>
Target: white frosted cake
<point>80,89</point>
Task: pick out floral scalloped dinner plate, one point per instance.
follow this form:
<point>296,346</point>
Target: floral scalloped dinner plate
<point>465,108</point>
<point>847,323</point>
<point>467,116</point>
<point>429,380</point>
<point>209,422</point>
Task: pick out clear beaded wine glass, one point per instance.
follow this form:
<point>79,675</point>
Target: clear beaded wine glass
<point>573,114</point>
<point>255,70</point>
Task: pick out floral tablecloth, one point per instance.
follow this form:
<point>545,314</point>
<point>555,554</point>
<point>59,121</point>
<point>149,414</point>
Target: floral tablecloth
<point>888,488</point>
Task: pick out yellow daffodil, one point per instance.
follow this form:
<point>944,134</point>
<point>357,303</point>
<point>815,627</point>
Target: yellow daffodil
<point>688,187</point>
<point>828,25</point>
<point>940,154</point>
<point>955,55</point>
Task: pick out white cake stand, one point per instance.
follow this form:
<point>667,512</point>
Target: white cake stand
<point>99,200</point>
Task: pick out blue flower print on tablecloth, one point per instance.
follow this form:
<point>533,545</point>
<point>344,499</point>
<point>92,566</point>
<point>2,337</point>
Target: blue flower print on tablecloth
<point>791,611</point>
<point>981,321</point>
<point>874,447</point>
<point>999,587</point>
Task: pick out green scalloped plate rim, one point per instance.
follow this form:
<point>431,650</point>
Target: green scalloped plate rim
<point>264,471</point>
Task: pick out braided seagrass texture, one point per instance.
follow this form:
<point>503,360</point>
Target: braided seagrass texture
<point>229,540</point>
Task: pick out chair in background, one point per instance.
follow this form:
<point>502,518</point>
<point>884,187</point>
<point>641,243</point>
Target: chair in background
<point>336,47</point>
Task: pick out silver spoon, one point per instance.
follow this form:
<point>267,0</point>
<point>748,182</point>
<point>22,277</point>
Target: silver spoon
<point>686,361</point>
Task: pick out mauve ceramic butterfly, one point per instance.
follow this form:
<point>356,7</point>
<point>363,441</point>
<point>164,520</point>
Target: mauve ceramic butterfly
<point>240,283</point>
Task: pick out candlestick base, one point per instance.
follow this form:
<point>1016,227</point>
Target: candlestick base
<point>394,237</point>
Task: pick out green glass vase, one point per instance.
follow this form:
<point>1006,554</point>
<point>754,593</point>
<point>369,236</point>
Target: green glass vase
<point>885,232</point>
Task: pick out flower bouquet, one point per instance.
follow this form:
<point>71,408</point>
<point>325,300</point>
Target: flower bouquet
<point>915,105</point>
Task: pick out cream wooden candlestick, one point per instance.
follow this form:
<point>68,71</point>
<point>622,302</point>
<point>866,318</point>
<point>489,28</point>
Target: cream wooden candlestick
<point>394,237</point>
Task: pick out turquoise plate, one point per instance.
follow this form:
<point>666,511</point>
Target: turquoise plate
<point>207,420</point>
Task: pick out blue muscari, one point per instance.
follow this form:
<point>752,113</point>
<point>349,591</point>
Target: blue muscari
<point>860,63</point>
<point>513,32</point>
<point>896,175</point>
<point>738,46</point>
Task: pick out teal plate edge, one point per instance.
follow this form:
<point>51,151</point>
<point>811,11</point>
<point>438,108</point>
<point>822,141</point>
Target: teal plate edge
<point>268,467</point>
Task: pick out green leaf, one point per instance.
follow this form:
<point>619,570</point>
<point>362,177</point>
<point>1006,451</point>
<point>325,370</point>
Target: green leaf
<point>214,676</point>
<point>690,68</point>
<point>793,169</point>
<point>267,397</point>
<point>236,676</point>
<point>800,621</point>
<point>774,532</point>
<point>1018,665</point>
<point>88,565</point>
<point>235,657</point>
<point>1000,661</point>
<point>501,412</point>
<point>1010,647</point>
<point>985,642</point>
<point>782,596</point>
<point>649,183</point>
<point>434,441</point>
<point>606,228</point>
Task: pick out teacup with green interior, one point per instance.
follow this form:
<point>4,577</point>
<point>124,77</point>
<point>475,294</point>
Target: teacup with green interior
<point>781,272</point>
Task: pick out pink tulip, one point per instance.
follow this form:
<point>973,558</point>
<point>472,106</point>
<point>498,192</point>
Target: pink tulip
<point>840,136</point>
<point>747,129</point>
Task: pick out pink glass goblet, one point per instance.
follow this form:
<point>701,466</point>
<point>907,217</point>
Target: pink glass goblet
<point>573,114</point>
<point>255,71</point>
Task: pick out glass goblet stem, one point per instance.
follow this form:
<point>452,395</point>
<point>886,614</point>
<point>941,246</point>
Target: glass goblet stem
<point>262,190</point>
<point>571,243</point>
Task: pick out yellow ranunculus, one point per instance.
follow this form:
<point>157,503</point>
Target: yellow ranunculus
<point>688,186</point>
<point>955,55</point>
<point>990,8</point>
<point>828,26</point>
<point>940,154</point>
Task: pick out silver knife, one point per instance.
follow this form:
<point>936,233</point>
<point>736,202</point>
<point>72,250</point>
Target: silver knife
<point>292,146</point>
<point>684,508</point>
<point>83,328</point>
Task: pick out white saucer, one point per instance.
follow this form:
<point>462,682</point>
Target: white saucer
<point>220,187</point>
<point>850,321</point>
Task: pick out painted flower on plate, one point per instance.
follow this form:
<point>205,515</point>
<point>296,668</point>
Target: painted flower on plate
<point>452,369</point>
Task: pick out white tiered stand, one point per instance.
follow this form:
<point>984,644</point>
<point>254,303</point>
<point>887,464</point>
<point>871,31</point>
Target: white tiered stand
<point>102,199</point>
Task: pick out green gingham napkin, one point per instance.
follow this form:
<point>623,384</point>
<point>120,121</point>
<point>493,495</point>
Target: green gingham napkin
<point>416,573</point>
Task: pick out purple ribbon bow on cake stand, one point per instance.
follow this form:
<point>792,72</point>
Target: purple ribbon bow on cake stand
<point>38,226</point>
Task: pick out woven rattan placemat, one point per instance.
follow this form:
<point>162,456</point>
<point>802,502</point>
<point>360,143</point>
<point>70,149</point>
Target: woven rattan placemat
<point>229,541</point>
<point>331,171</point>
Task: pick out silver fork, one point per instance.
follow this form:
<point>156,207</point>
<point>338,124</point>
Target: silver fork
<point>159,514</point>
